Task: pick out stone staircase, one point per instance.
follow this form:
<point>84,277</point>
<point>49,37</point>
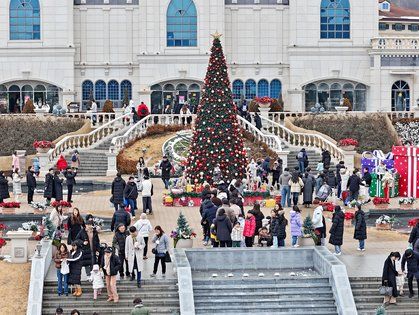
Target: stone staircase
<point>161,297</point>
<point>94,161</point>
<point>297,296</point>
<point>367,298</point>
<point>314,157</point>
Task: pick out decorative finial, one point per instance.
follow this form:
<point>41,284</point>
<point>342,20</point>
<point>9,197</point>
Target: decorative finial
<point>216,35</point>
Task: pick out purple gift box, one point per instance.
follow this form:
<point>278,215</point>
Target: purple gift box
<point>371,160</point>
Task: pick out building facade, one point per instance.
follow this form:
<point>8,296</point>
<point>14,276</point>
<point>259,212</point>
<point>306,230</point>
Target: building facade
<point>303,52</point>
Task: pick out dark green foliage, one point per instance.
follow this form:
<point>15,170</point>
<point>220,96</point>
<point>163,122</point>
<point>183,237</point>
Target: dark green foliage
<point>371,131</point>
<point>19,133</point>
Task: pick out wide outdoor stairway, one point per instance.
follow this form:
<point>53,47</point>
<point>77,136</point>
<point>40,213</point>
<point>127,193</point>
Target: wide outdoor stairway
<point>254,295</point>
<point>161,297</point>
<point>94,161</point>
<point>367,298</point>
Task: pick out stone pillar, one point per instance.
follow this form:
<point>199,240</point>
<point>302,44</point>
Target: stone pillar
<point>22,160</point>
<point>44,163</point>
<point>112,166</point>
<point>283,155</point>
<point>416,109</point>
<point>145,96</point>
<point>350,160</point>
<point>19,242</point>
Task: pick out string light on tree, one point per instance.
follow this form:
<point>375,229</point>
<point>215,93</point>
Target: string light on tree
<point>217,138</point>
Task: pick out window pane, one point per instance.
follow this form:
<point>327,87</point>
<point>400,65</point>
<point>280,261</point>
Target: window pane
<point>334,17</point>
<point>26,16</point>
<point>181,23</point>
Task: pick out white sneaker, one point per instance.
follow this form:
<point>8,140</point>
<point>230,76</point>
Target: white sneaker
<point>204,243</point>
<point>363,249</point>
<point>337,254</point>
<point>296,245</point>
<point>358,249</point>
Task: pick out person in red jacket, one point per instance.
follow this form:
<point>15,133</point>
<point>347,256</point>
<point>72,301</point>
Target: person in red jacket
<point>62,163</point>
<point>249,228</point>
<point>142,110</point>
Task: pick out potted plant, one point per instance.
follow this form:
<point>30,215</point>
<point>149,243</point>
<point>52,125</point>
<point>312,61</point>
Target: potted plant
<point>3,227</point>
<point>309,237</point>
<point>39,207</point>
<point>349,216</point>
<point>348,144</point>
<point>43,146</point>
<point>406,202</point>
<point>381,203</point>
<point>9,207</point>
<point>385,222</point>
<point>61,203</point>
<point>183,235</point>
<point>31,226</point>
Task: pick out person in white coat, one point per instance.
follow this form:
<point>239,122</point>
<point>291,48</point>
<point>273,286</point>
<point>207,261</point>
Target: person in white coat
<point>147,193</point>
<point>319,225</point>
<point>57,216</point>
<point>144,228</point>
<point>134,245</point>
<point>96,278</point>
<point>17,185</point>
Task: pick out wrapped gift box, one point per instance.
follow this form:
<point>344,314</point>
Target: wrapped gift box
<point>376,188</point>
<point>270,203</point>
<point>371,160</point>
<point>189,188</point>
<point>406,162</point>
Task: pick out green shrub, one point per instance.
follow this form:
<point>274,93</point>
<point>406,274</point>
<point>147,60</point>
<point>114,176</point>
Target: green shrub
<point>370,130</point>
<point>19,133</point>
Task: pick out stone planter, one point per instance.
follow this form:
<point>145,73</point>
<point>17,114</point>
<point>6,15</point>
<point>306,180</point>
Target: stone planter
<point>264,105</point>
<point>341,109</point>
<point>406,206</point>
<point>38,211</point>
<point>348,148</point>
<point>8,210</point>
<point>306,241</point>
<point>42,150</point>
<point>382,206</point>
<point>264,112</point>
<point>383,226</point>
<point>183,243</point>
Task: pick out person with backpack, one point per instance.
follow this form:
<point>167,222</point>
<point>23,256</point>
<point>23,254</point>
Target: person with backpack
<point>75,160</point>
<point>71,181</point>
<point>131,195</point>
<point>302,160</point>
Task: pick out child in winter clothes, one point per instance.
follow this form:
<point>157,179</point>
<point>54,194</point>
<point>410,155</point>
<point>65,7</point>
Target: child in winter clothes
<point>264,237</point>
<point>249,229</point>
<point>96,278</point>
<point>295,219</point>
<point>237,235</point>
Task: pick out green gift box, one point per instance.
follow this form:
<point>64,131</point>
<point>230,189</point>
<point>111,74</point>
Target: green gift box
<point>394,191</point>
<point>376,188</point>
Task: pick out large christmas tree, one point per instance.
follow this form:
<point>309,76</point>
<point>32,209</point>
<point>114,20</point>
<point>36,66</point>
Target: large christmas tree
<point>217,139</point>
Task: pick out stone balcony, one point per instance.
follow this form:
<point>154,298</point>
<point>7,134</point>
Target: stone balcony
<point>395,43</point>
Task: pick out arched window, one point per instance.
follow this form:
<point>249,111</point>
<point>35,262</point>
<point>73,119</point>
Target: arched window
<point>113,90</point>
<point>263,88</point>
<point>126,87</point>
<point>276,89</point>
<point>25,20</point>
<point>250,89</point>
<point>181,24</point>
<point>400,96</point>
<point>238,88</point>
<point>100,90</point>
<point>87,89</point>
<point>335,21</point>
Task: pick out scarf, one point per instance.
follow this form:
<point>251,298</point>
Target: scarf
<point>108,265</point>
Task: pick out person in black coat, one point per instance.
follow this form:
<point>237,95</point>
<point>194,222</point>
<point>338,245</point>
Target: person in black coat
<point>117,191</point>
<point>90,247</point>
<point>276,173</point>
<point>258,216</point>
<point>331,179</point>
<point>118,243</point>
<point>336,231</point>
<point>414,234</point>
<point>258,121</point>
<point>75,265</point>
<point>279,228</point>
<point>411,258</point>
<point>120,216</point>
<point>131,195</point>
<point>353,186</point>
<point>341,165</point>
<point>326,158</point>
<point>31,183</point>
<point>58,186</point>
<point>389,277</point>
<point>209,213</point>
<point>360,232</point>
<point>367,178</point>
<point>111,264</point>
<point>166,168</point>
<point>75,224</point>
<point>70,175</point>
<point>4,187</point>
<point>49,185</point>
<point>223,228</point>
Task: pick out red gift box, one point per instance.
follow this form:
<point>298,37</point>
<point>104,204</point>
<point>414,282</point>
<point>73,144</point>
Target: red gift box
<point>406,162</point>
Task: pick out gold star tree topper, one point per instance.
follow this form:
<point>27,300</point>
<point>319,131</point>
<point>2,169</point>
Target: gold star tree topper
<point>216,35</point>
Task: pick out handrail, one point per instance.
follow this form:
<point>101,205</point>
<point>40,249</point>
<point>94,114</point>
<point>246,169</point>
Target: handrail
<point>76,142</point>
<point>303,139</point>
<point>272,141</point>
<point>140,128</point>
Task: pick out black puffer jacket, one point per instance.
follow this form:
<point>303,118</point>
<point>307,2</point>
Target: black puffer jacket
<point>30,180</point>
<point>131,191</point>
<point>353,183</point>
<point>389,275</point>
<point>115,265</point>
<point>73,229</point>
<point>4,188</point>
<point>119,241</point>
<point>74,277</point>
<point>414,235</point>
<point>120,216</point>
<point>117,191</point>
<point>412,264</point>
<point>166,168</point>
<point>336,231</point>
<point>360,226</point>
<point>58,188</point>
<point>282,225</point>
<point>49,186</point>
<point>89,256</point>
<point>70,177</point>
<point>223,227</point>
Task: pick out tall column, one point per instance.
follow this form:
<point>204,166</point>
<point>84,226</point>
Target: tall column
<point>106,35</point>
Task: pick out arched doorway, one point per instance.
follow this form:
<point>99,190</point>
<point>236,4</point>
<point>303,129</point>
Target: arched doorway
<point>169,97</point>
<point>400,96</point>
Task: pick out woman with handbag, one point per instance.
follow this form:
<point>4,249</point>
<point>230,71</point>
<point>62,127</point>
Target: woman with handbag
<point>389,284</point>
<point>160,250</point>
<point>60,260</point>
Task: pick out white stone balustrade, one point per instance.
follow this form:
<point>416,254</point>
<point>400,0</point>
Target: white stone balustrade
<point>395,43</point>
